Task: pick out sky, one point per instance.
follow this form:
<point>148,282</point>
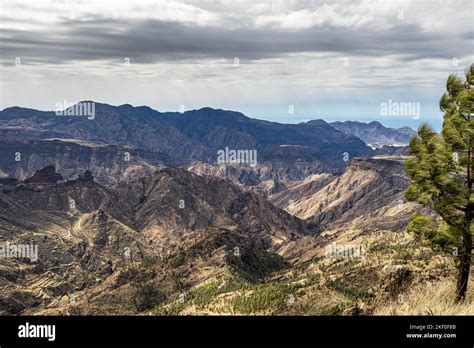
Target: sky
<point>281,60</point>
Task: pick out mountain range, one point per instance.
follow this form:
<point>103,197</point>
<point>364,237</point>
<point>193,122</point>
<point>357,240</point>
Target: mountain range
<point>132,214</point>
<point>191,135</point>
<point>138,140</point>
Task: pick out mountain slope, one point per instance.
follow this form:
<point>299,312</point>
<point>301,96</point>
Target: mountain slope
<point>89,248</point>
<point>366,186</point>
<point>174,202</point>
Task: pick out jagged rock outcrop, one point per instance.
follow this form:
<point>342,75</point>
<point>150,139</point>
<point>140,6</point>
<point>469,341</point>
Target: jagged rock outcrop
<point>46,175</point>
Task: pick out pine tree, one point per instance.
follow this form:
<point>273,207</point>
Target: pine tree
<point>441,176</point>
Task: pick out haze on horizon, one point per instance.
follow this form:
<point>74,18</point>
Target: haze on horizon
<point>281,60</point>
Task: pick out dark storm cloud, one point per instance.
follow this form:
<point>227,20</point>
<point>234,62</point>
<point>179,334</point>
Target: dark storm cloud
<point>153,41</point>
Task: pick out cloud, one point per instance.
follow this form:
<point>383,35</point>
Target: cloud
<point>153,41</point>
<point>151,31</point>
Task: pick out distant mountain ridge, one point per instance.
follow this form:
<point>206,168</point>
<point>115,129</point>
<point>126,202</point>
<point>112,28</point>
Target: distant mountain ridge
<point>374,134</point>
<point>192,135</point>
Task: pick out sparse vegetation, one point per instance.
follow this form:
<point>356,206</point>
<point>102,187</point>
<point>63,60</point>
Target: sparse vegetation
<point>149,261</point>
<point>430,299</point>
<point>351,292</point>
<point>147,296</point>
<point>274,297</point>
